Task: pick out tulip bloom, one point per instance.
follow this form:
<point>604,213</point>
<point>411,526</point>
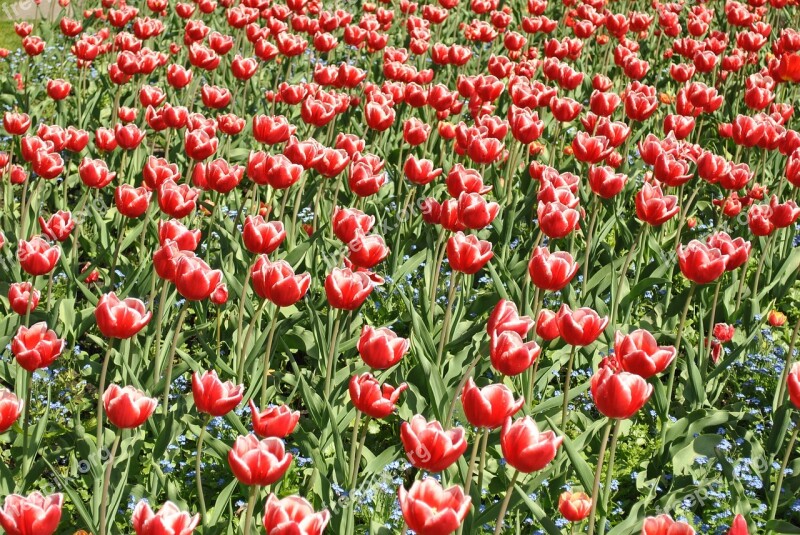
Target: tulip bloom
<point>37,257</point>
<point>372,398</point>
<point>739,526</point>
<point>665,525</point>
<point>212,396</point>
<point>120,318</point>
<point>10,409</point>
<point>36,347</point>
<point>381,348</point>
<point>347,222</point>
<point>510,354</point>
<point>194,279</point>
<point>428,446</point>
<point>128,407</point>
<point>700,263</point>
<point>574,506</point>
<point>546,325</point>
<point>428,509</point>
<point>639,353</point>
<point>793,382</point>
<point>131,202</point>
<point>655,208</point>
<point>19,295</point>
<point>168,520</point>
<point>294,515</point>
<point>275,421</point>
<point>580,327</point>
<point>488,406</point>
<point>505,317</point>
<point>255,462</point>
<point>277,282</point>
<point>346,289</point>
<point>551,271</point>
<point>35,513</point>
<point>525,447</point>
<point>367,250</point>
<point>618,394</point>
<point>260,236</point>
<point>468,254</point>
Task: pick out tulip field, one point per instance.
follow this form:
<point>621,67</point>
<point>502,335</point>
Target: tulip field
<point>293,267</point>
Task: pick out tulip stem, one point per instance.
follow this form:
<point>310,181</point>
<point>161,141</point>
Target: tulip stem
<point>359,451</point>
<point>565,404</point>
<point>472,458</point>
<point>26,424</point>
<point>612,450</point>
<point>623,273</point>
<point>353,445</point>
<point>598,474</point>
<point>451,410</point>
<point>706,344</point>
<point>594,206</point>
<point>764,254</point>
<point>779,483</point>
<point>251,505</point>
<point>106,483</point>
<point>268,354</point>
<point>332,355</point>
<point>101,387</point>
<point>30,301</point>
<point>197,467</point>
<point>482,461</point>
<point>162,300</point>
<point>112,275</point>
<point>448,312</point>
<point>498,528</point>
<point>171,357</point>
<point>243,349</point>
<point>674,365</point>
<point>782,383</point>
<point>440,252</point>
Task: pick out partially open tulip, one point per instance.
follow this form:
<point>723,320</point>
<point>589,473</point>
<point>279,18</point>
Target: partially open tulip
<point>277,282</point>
<point>468,254</point>
<point>169,520</point>
<point>10,409</point>
<point>19,295</point>
<point>212,396</point>
<point>184,238</point>
<point>35,513</point>
<point>618,394</point>
<point>665,525</point>
<point>776,318</point>
<point>367,250</point>
<point>574,506</point>
<point>700,263</point>
<point>120,318</point>
<point>724,332</point>
<point>428,509</point>
<point>510,354</point>
<point>525,447</point>
<point>739,526</point>
<point>37,257</point>
<point>347,221</point>
<point>262,237</point>
<point>505,317</point>
<point>293,515</point>
<point>428,446</point>
<point>373,398</point>
<point>36,347</point>
<point>58,227</point>
<point>128,407</point>
<point>275,421</point>
<point>579,327</point>
<point>546,325</point>
<point>488,406</point>
<point>551,271</point>
<point>255,462</point>
<point>194,279</point>
<point>639,353</point>
<point>381,348</point>
<point>131,202</point>
<point>346,289</point>
<point>793,382</point>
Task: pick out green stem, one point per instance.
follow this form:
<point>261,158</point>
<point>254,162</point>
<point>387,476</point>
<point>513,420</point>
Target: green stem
<point>162,302</point>
<point>101,388</point>
<point>451,409</point>
<point>789,357</point>
<point>197,468</point>
<point>498,528</point>
<point>612,450</point>
<point>332,355</point>
<point>354,445</point>
<point>243,357</point>
<point>26,424</point>
<point>598,474</point>
<point>106,483</point>
<point>268,354</point>
<point>251,505</point>
<point>171,357</point>
<point>566,387</point>
<point>30,302</point>
<point>779,483</point>
<point>482,462</point>
<point>443,336</point>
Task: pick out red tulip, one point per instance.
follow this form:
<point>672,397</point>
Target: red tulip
<point>468,254</point>
<point>262,237</point>
<point>19,295</point>
<point>546,325</point>
<point>16,124</point>
<point>461,179</point>
<point>428,509</point>
<point>255,462</point>
<point>664,525</point>
<point>776,319</point>
<point>428,446</point>
<point>367,250</point>
<point>724,332</point>
<point>420,171</point>
<point>277,282</point>
<point>525,447</point>
<point>739,526</point>
<point>735,251</point>
<point>474,212</point>
<point>212,396</point>
<point>504,317</point>
<point>639,353</point>
<point>551,271</point>
<point>293,515</point>
<point>274,421</point>
<point>131,202</point>
<point>346,289</point>
<point>783,214</point>
<point>415,132</point>
<point>58,227</point>
<point>793,382</point>
<point>700,263</point>
<point>169,520</point>
<point>347,222</point>
<point>199,144</point>
<point>373,398</point>
<point>36,347</point>
<point>10,409</point>
<point>557,220</point>
<point>185,239</point>
<point>616,393</point>
<point>381,348</point>
<point>194,279</point>
<point>128,407</point>
<point>47,165</point>
<point>580,327</point>
<point>128,136</point>
<point>653,207</point>
<point>605,182</point>
<point>488,406</point>
<point>35,513</point>
<point>176,200</point>
<point>510,354</point>
<point>574,506</point>
<point>120,318</point>
<point>272,129</point>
